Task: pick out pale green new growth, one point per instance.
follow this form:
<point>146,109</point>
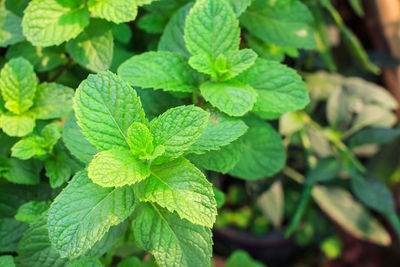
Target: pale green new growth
<point>140,140</point>
<point>18,85</point>
<point>14,125</point>
<point>116,168</point>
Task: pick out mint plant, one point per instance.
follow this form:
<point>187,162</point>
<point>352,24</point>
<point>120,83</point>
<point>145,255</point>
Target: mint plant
<point>139,168</point>
<point>210,65</point>
<point>26,101</point>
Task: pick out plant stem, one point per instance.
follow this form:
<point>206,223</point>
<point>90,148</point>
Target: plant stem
<point>307,189</point>
<point>61,70</point>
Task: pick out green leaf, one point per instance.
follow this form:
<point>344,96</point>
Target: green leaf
<point>236,62</point>
<point>105,107</point>
<point>178,129</point>
<point>51,134</point>
<point>10,233</point>
<point>172,37</point>
<point>85,262</point>
<point>17,125</point>
<point>122,33</point>
<point>172,241</point>
<point>140,139</point>
<point>117,11</point>
<point>49,22</point>
<point>42,58</point>
<point>159,70</point>
<point>75,141</point>
<point>18,85</point>
<point>83,213</point>
<point>179,186</point>
<point>239,6</point>
<point>23,171</point>
<point>222,160</point>
<point>11,31</point>
<point>326,169</point>
<point>373,192</point>
<point>116,168</point>
<point>220,131</point>
<point>152,23</point>
<point>284,23</point>
<point>263,155</point>
<point>93,48</point>
<point>211,29</point>
<point>130,262</point>
<point>30,211</point>
<point>349,214</point>
<point>279,88</point>
<point>232,97</point>
<point>204,64</point>
<point>7,261</point>
<point>28,148</point>
<point>35,249</point>
<point>58,168</point>
<point>371,136</point>
<point>242,258</point>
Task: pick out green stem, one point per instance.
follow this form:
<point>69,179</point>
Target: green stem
<point>307,189</point>
<point>301,207</point>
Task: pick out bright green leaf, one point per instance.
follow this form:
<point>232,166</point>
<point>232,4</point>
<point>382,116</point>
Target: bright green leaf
<point>159,70</point>
<point>236,62</point>
<point>280,89</point>
<point>51,134</point>
<point>117,11</point>
<point>220,131</point>
<point>105,107</point>
<point>28,147</point>
<point>116,168</point>
<point>18,85</point>
<point>83,213</point>
<point>239,6</point>
<point>179,186</point>
<point>49,22</point>
<point>140,139</point>
<point>211,28</point>
<point>177,129</point>
<point>93,48</point>
<point>233,97</point>
<point>17,125</point>
<point>172,241</point>
<point>241,258</point>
